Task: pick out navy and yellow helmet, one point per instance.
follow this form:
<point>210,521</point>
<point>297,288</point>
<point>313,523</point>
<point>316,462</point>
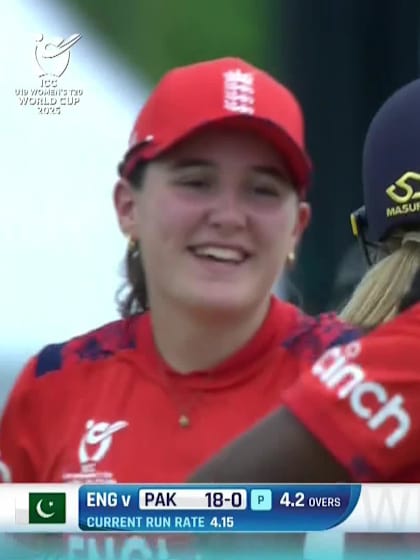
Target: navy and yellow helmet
<point>391,169</point>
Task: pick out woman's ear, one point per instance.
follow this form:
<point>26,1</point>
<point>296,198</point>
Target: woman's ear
<point>303,218</point>
<point>125,206</point>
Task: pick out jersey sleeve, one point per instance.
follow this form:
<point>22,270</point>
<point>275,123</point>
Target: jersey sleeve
<point>362,401</point>
<point>17,431</point>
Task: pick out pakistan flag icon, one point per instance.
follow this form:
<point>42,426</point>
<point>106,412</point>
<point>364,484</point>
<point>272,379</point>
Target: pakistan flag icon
<point>47,507</point>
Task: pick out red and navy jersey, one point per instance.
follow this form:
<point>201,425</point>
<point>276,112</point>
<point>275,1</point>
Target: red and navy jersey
<point>365,402</point>
<point>105,407</point>
<point>107,400</point>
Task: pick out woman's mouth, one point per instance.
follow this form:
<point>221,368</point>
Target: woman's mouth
<point>230,255</point>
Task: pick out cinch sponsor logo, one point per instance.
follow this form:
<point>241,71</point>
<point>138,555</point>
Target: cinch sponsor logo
<point>404,195</point>
<point>337,371</point>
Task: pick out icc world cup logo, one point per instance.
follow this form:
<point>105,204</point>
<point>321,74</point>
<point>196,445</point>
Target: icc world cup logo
<point>53,56</point>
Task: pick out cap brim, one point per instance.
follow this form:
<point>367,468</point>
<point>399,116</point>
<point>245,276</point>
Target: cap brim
<point>295,158</point>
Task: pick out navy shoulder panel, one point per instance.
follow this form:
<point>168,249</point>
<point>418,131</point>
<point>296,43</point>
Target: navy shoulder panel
<point>347,335</point>
<point>95,345</point>
<point>315,335</point>
<point>49,359</point>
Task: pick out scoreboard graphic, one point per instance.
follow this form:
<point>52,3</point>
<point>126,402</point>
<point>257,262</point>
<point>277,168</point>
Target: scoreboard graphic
<point>133,508</point>
<point>229,509</point>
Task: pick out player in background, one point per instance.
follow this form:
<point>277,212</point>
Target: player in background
<point>388,227</point>
<point>362,425</point>
<point>212,197</point>
<point>333,440</point>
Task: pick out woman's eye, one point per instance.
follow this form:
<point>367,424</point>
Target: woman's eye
<point>196,183</point>
<point>193,183</point>
<point>266,191</point>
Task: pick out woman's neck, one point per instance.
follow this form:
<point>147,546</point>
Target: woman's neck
<point>192,342</point>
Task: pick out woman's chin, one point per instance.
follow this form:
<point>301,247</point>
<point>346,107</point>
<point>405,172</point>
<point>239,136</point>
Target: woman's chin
<point>222,303</point>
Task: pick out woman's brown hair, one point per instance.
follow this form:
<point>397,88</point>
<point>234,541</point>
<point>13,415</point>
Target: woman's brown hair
<point>132,297</point>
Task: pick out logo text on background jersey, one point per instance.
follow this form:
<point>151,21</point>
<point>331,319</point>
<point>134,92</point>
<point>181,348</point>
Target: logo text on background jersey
<point>337,370</point>
<point>94,446</point>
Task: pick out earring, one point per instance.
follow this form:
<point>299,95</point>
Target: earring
<point>291,257</point>
<point>133,248</point>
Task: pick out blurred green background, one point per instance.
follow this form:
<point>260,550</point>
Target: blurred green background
<point>342,58</point>
<point>156,35</point>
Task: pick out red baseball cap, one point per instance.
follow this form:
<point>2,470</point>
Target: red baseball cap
<point>222,91</point>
